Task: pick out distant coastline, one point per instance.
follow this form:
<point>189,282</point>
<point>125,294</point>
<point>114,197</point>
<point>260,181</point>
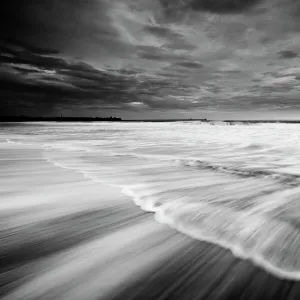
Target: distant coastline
<point>20,119</point>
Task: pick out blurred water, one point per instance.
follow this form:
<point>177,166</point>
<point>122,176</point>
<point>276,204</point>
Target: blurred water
<point>236,186</point>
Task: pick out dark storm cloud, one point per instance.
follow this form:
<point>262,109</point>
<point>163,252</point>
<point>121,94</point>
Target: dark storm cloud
<point>223,6</point>
<point>155,53</point>
<point>53,81</point>
<point>190,64</point>
<point>159,30</point>
<point>214,6</point>
<point>36,82</point>
<point>16,53</point>
<point>287,54</point>
<point>8,43</point>
<point>148,55</point>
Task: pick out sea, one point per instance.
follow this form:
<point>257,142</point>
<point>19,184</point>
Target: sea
<point>235,185</point>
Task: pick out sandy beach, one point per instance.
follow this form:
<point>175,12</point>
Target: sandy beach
<point>66,237</point>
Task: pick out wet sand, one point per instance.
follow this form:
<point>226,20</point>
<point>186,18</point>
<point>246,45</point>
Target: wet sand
<point>66,237</point>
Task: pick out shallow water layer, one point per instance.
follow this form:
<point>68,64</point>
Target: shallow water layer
<point>235,186</point>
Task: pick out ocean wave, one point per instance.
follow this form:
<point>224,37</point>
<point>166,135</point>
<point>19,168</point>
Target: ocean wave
<point>253,226</point>
<point>291,179</point>
<point>203,181</point>
<point>268,241</point>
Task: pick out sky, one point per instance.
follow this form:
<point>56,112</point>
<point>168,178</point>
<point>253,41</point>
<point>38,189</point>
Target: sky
<point>151,59</point>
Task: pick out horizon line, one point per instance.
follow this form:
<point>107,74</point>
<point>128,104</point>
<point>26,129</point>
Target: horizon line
<point>23,118</point>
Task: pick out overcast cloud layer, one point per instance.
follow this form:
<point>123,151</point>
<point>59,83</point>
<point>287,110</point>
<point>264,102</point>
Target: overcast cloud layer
<point>151,58</point>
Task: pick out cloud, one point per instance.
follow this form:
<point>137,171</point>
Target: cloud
<point>286,54</point>
<point>190,64</point>
<point>223,6</point>
<point>54,81</point>
<point>160,30</point>
<point>148,55</point>
<point>17,44</point>
<point>213,6</point>
<point>39,83</point>
<point>155,53</point>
